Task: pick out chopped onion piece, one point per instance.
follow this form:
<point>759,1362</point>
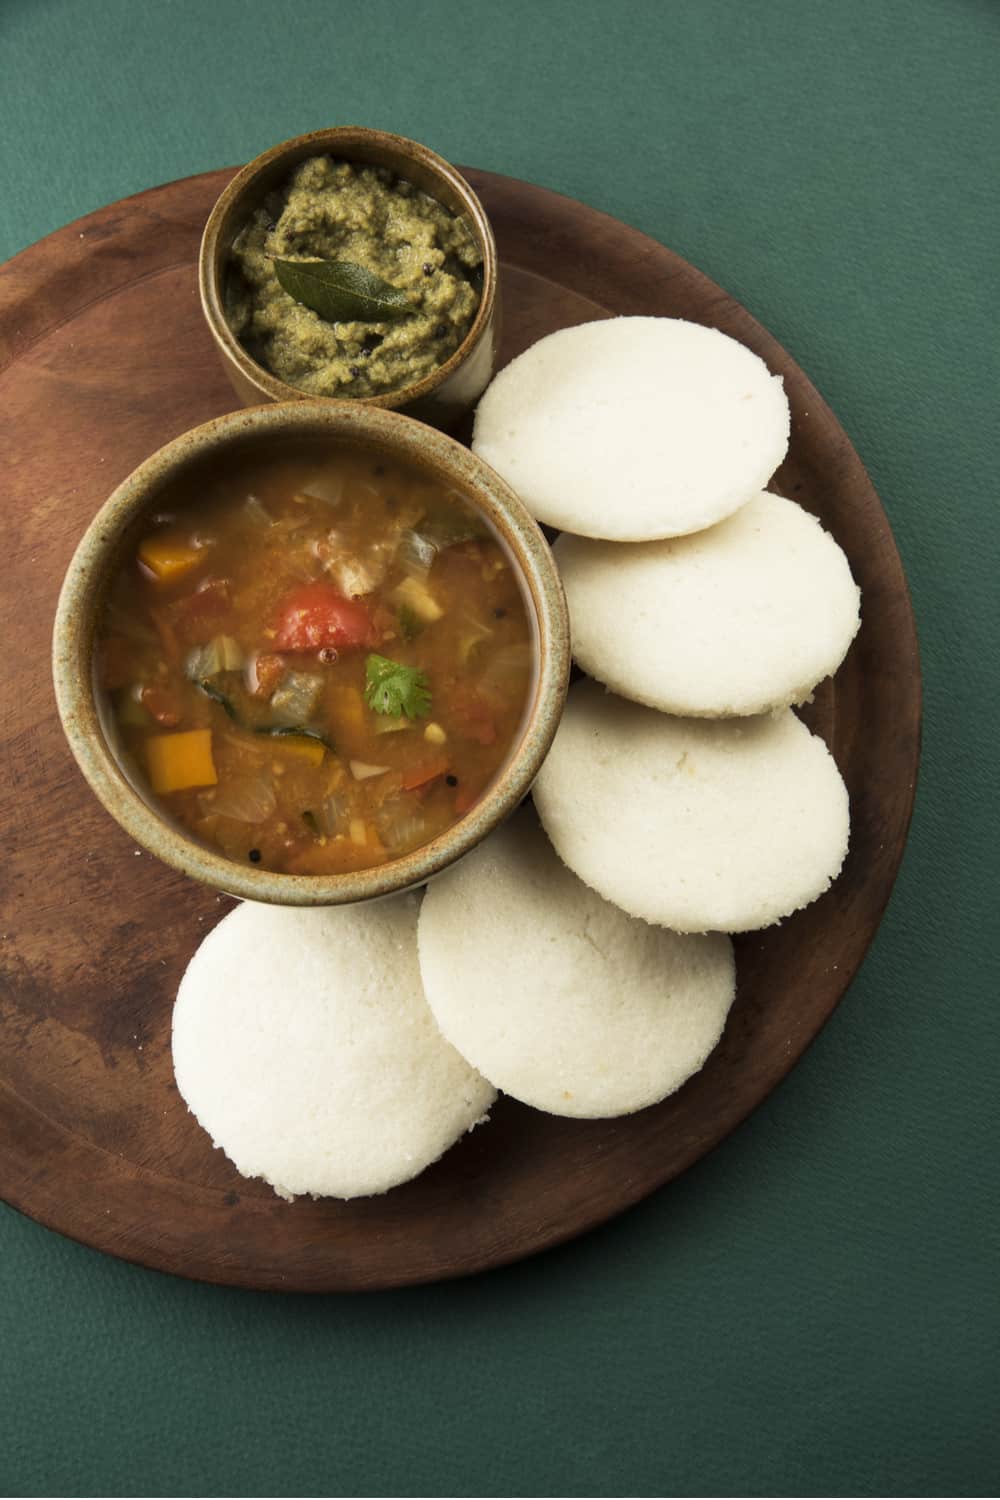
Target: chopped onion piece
<point>245,799</point>
<point>203,661</point>
<point>400,826</point>
<point>473,634</point>
<point>221,654</point>
<point>256,511</point>
<point>362,771</point>
<point>392,726</point>
<point>332,815</point>
<point>325,486</point>
<point>417,552</point>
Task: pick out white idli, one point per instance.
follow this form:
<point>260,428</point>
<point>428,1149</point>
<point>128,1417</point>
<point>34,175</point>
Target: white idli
<point>556,996</point>
<point>303,1044</point>
<point>746,616</point>
<point>699,824</point>
<point>634,429</point>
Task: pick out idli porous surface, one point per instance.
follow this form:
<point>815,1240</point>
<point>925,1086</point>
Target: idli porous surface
<point>701,825</point>
<point>746,616</point>
<point>303,1044</point>
<point>633,429</point>
<point>558,997</point>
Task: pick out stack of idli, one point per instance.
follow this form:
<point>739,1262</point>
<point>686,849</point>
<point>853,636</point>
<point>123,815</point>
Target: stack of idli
<point>588,973</point>
<point>688,803</point>
<point>686,790</point>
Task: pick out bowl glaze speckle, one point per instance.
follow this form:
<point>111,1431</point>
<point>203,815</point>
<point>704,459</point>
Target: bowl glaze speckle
<point>445,395</point>
<point>340,423</point>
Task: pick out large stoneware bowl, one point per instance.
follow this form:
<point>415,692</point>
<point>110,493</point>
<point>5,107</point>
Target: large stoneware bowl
<point>113,535</point>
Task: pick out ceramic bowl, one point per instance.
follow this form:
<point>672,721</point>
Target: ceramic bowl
<point>112,536</point>
<point>448,392</point>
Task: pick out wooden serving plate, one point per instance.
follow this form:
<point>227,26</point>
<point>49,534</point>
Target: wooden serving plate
<point>104,357</point>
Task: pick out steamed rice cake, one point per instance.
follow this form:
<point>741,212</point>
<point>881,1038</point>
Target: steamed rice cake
<point>746,616</point>
<point>304,1046</point>
<point>697,824</point>
<point>634,429</point>
<point>575,1008</point>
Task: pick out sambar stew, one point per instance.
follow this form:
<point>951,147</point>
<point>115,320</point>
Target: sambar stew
<point>315,664</point>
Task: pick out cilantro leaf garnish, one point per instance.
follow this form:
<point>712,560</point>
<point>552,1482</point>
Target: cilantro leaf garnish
<point>395,689</point>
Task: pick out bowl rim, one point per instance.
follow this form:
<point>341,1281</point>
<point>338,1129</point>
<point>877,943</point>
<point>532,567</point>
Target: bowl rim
<point>85,584</point>
<point>340,138</point>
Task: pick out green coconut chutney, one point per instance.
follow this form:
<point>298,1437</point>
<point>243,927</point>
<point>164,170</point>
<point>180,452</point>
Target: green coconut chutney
<point>333,210</point>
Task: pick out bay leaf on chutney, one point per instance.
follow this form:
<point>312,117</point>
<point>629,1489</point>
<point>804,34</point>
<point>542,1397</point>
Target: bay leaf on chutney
<point>340,291</point>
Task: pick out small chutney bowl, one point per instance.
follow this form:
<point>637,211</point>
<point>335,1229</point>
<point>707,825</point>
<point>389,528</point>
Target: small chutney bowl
<point>111,539</point>
<point>449,391</point>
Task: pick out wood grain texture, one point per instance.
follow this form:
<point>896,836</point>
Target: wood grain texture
<point>104,357</point>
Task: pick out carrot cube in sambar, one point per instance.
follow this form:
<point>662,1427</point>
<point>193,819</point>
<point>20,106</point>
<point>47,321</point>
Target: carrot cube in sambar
<point>167,558</point>
<point>176,761</point>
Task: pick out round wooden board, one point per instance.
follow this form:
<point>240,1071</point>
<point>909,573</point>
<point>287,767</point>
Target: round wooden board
<point>104,357</point>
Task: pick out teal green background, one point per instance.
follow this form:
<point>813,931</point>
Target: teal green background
<point>814,1308</point>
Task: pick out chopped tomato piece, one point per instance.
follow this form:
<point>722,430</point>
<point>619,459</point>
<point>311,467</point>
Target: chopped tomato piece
<point>268,672</point>
<point>199,613</point>
<point>316,616</point>
<point>162,705</point>
<point>473,718</point>
<point>421,775</point>
<point>213,595</point>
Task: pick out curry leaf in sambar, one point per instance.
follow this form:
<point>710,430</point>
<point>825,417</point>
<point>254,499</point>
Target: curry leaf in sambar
<point>341,292</point>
